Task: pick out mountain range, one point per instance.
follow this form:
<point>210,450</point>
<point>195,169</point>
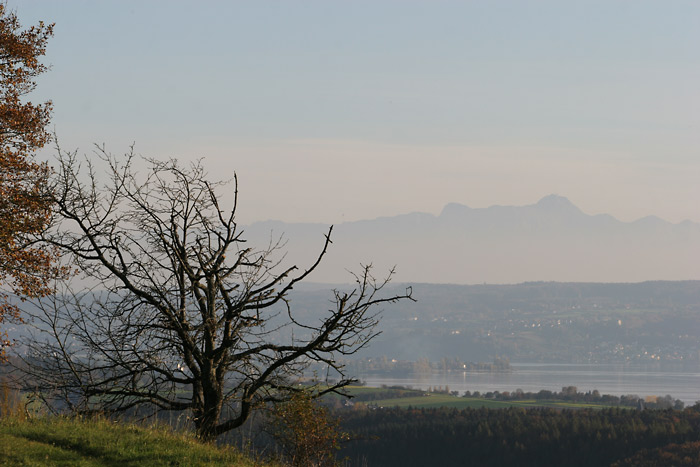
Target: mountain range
<point>551,240</point>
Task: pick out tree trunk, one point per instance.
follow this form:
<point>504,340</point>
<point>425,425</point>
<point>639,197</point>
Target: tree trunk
<point>209,404</point>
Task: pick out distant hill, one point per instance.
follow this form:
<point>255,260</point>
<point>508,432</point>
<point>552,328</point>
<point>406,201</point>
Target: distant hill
<point>551,240</point>
<point>550,322</point>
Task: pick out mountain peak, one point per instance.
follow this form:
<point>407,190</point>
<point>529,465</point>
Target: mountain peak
<point>554,200</point>
<point>557,202</point>
<point>454,209</point>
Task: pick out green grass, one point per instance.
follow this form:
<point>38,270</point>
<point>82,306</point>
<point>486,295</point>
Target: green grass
<point>440,400</point>
<point>70,442</point>
<point>434,400</point>
<point>445,400</point>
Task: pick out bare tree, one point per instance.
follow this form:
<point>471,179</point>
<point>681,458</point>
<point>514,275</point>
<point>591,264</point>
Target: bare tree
<point>180,313</point>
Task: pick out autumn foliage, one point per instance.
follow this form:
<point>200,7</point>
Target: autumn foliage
<point>24,207</point>
<point>307,433</point>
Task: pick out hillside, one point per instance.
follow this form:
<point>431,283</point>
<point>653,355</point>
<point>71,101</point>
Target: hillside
<point>548,322</point>
<point>58,441</point>
<point>536,322</point>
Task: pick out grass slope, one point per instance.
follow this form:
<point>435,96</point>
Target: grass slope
<point>60,441</point>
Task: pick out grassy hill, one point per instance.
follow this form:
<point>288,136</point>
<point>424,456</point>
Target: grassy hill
<point>70,442</point>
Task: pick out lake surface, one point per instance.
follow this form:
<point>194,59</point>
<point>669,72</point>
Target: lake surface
<point>681,383</point>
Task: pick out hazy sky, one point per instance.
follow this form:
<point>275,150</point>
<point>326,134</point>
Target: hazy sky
<point>332,111</point>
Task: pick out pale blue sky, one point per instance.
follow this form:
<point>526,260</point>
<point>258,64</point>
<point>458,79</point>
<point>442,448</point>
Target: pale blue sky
<point>333,111</point>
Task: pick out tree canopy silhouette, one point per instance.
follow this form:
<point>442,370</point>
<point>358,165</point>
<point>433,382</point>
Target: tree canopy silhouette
<point>182,313</point>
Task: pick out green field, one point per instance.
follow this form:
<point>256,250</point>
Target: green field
<point>444,400</point>
<point>434,400</point>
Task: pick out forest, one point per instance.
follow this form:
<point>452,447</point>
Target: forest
<point>523,437</point>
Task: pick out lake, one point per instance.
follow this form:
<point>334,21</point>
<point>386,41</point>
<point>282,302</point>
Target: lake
<point>680,382</point>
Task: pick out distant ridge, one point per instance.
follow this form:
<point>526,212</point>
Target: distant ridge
<point>551,240</point>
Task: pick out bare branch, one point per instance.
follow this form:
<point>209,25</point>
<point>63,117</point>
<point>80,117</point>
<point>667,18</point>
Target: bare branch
<point>180,311</point>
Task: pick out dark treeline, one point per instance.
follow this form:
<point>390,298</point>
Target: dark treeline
<point>571,394</point>
<point>677,455</point>
<point>516,436</point>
